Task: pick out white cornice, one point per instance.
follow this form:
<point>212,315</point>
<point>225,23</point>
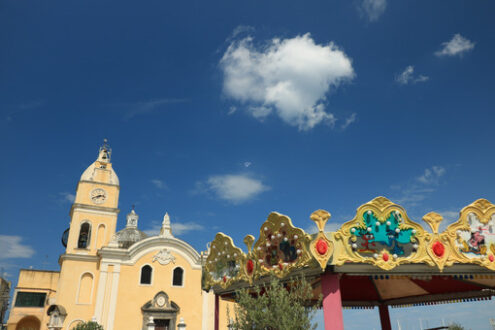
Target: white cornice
<point>137,250</point>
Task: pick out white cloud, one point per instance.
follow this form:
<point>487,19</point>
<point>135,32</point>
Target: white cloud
<point>421,187</point>
<point>407,76</point>
<point>158,183</point>
<point>12,247</point>
<point>247,164</point>
<point>67,197</point>
<point>178,228</point>
<point>458,45</point>
<point>431,175</point>
<point>289,77</point>
<point>235,188</point>
<point>349,120</point>
<point>140,108</point>
<point>373,9</point>
<point>232,109</point>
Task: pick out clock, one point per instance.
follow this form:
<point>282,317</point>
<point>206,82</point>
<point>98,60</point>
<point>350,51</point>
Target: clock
<point>98,195</point>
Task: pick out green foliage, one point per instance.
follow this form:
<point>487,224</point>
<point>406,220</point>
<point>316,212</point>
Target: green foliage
<point>88,326</point>
<point>275,307</point>
<point>456,326</point>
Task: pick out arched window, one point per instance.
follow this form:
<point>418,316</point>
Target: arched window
<point>84,236</point>
<point>85,289</point>
<point>178,277</point>
<point>146,272</point>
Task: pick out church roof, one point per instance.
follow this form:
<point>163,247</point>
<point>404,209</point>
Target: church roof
<point>128,236</point>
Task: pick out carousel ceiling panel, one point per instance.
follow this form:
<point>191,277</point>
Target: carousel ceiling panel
<point>398,288</point>
<point>484,282</point>
<point>358,288</point>
<point>445,284</point>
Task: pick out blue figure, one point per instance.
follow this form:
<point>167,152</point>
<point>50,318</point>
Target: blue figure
<point>392,242</point>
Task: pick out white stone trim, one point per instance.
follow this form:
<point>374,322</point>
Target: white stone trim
<point>183,277</point>
<point>79,288</point>
<point>92,211</point>
<point>113,297</point>
<point>100,295</point>
<point>152,275</point>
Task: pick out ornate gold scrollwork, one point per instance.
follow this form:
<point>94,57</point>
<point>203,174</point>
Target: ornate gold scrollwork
<point>472,237</point>
<point>438,246</point>
<point>224,263</point>
<point>321,247</point>
<point>380,234</point>
<point>281,247</point>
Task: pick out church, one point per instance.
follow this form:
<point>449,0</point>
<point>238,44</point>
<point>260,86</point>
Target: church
<point>121,280</point>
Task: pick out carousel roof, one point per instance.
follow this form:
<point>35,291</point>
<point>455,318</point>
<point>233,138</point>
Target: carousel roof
<point>383,256</point>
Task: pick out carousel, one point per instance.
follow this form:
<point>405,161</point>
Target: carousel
<point>381,258</point>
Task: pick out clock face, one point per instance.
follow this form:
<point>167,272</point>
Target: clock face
<point>160,301</point>
<point>98,195</point>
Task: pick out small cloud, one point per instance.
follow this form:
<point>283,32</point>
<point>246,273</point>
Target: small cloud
<point>141,108</point>
<point>372,9</point>
<point>158,183</point>
<point>247,164</point>
<point>431,175</point>
<point>12,247</point>
<point>458,45</point>
<point>407,76</point>
<point>234,188</point>
<point>349,120</point>
<point>22,107</point>
<point>67,197</point>
<point>241,29</point>
<point>290,78</point>
<point>232,109</point>
<point>178,228</point>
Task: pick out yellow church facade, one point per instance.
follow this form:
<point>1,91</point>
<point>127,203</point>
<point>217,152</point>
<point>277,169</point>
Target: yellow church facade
<point>122,280</point>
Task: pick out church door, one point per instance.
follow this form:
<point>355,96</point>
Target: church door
<point>161,324</point>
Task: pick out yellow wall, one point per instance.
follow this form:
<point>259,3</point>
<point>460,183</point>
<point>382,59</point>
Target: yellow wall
<point>132,295</point>
<point>33,281</point>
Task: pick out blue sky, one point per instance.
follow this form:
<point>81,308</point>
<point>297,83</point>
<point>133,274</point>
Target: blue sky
<point>220,112</point>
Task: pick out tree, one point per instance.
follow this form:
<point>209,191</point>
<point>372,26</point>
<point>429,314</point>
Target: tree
<point>456,326</point>
<point>88,326</point>
<point>275,306</point>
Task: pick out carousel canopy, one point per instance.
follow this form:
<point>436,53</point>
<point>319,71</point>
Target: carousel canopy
<point>382,256</point>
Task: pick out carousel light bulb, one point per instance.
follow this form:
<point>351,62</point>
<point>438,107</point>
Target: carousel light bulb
<point>267,243</point>
<point>235,254</point>
<point>369,229</point>
<point>298,251</point>
<point>353,230</point>
<point>279,235</point>
<point>375,255</point>
<point>225,243</point>
<point>259,248</point>
<point>414,231</point>
<point>388,223</point>
<point>266,228</point>
<point>228,255</point>
<point>296,237</point>
<point>415,246</point>
<point>369,212</point>
<point>397,230</point>
<point>354,245</point>
<point>395,256</point>
<point>260,261</point>
<point>273,237</point>
<point>285,239</point>
<point>282,224</point>
<point>377,223</point>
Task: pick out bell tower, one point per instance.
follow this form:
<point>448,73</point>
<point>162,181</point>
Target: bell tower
<point>95,209</point>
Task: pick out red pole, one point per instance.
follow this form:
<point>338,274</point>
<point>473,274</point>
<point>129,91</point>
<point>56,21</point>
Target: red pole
<point>217,303</point>
<point>384,317</point>
<point>332,302</point>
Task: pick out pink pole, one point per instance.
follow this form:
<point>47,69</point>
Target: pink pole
<point>332,302</point>
<point>384,317</point>
<point>217,307</point>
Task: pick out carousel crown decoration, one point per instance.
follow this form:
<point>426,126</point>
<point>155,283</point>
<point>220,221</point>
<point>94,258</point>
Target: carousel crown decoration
<point>437,245</point>
<point>472,237</point>
<point>381,234</point>
<point>224,262</point>
<point>321,247</point>
<point>250,266</point>
<point>281,247</point>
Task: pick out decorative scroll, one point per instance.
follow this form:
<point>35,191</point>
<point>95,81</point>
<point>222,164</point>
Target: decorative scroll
<point>473,235</point>
<point>381,234</point>
<point>224,263</point>
<point>321,247</point>
<point>437,245</point>
<point>281,247</point>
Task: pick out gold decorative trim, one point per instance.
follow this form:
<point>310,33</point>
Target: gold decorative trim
<point>383,211</point>
<point>224,263</point>
<point>438,246</point>
<point>469,244</point>
<point>321,247</point>
<point>281,247</point>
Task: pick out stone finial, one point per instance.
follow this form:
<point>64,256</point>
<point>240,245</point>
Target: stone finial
<point>105,152</point>
<point>166,230</point>
<point>132,219</point>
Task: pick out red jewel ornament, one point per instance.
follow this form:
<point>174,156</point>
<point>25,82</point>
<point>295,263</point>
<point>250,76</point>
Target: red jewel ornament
<point>491,258</point>
<point>438,249</point>
<point>250,266</point>
<point>280,266</point>
<point>224,279</point>
<point>321,246</point>
<point>385,257</point>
